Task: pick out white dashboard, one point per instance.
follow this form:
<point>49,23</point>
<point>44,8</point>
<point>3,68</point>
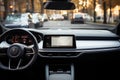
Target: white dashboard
<point>64,43</point>
<point>90,44</point>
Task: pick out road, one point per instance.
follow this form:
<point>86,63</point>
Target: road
<point>67,24</point>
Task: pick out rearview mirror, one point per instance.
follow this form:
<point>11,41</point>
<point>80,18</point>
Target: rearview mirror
<point>59,5</point>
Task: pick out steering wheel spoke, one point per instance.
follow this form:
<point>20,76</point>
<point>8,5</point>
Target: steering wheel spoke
<point>14,63</point>
<point>29,51</point>
<point>3,51</point>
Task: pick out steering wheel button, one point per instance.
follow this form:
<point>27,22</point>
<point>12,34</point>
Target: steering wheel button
<point>3,50</point>
<point>29,50</point>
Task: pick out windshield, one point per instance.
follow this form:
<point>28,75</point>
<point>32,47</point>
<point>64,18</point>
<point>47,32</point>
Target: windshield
<point>77,16</point>
<point>88,14</point>
<point>13,18</point>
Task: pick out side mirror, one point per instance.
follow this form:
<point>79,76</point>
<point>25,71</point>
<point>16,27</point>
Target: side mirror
<point>59,5</point>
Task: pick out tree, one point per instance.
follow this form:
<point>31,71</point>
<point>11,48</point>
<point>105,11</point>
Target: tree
<point>32,3</point>
<point>6,8</point>
<point>104,8</point>
<point>76,3</point>
<point>42,6</point>
<point>114,3</point>
<point>94,10</point>
<point>18,4</point>
<point>109,4</point>
<point>27,5</point>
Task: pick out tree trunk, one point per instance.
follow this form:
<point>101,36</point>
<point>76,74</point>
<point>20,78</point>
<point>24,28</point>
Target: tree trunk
<point>6,8</point>
<point>119,14</point>
<point>105,12</point>
<point>110,13</point>
<point>19,7</point>
<point>32,2</point>
<point>94,10</point>
<point>27,6</point>
<point>42,8</point>
<point>110,2</point>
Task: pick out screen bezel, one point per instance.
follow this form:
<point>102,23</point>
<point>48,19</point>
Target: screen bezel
<point>47,40</point>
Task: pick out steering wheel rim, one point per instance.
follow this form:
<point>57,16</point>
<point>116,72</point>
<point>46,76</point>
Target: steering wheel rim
<point>21,51</point>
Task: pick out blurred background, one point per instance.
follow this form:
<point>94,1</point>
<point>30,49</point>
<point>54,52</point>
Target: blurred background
<point>105,11</point>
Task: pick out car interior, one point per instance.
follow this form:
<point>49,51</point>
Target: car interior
<point>59,54</point>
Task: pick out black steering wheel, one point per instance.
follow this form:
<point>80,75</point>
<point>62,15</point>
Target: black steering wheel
<point>17,56</point>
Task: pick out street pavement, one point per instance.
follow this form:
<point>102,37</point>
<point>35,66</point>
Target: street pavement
<point>66,24</point>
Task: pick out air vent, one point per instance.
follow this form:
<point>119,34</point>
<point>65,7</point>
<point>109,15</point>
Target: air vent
<point>59,54</point>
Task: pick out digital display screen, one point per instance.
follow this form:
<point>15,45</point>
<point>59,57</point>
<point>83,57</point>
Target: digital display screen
<point>59,41</point>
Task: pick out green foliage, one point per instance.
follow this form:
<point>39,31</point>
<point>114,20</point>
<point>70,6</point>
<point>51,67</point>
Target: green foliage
<point>113,3</point>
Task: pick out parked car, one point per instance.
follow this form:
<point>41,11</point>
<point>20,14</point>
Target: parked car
<point>37,20</point>
<point>87,17</point>
<point>19,20</point>
<point>45,17</point>
<point>99,18</point>
<point>56,17</point>
<point>77,18</point>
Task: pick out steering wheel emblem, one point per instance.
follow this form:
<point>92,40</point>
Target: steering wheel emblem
<point>15,51</point>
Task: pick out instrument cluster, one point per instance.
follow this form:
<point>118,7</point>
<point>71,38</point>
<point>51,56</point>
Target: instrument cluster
<point>22,38</point>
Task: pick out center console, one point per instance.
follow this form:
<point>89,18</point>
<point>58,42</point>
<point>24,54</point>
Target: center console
<point>59,46</point>
<point>60,72</point>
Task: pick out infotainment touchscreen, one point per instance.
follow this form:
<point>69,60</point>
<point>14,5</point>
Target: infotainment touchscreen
<point>59,41</point>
